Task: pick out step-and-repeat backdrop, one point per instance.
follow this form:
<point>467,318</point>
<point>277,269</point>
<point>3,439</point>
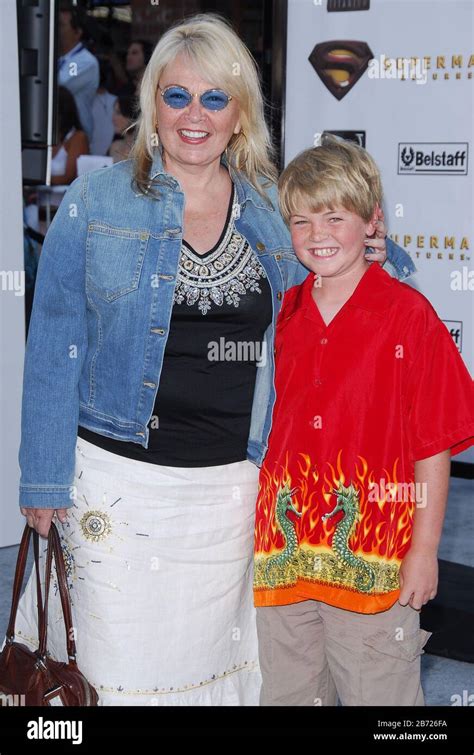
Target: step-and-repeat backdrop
<point>398,77</point>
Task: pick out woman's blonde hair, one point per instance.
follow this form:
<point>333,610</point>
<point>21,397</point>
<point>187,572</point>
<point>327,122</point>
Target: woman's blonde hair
<point>337,173</point>
<point>222,58</point>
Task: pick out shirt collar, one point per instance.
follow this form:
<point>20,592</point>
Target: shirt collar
<point>245,192</point>
<point>373,292</point>
<point>72,51</point>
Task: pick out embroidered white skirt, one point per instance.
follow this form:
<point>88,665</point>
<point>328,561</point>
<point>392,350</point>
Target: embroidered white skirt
<point>159,564</point>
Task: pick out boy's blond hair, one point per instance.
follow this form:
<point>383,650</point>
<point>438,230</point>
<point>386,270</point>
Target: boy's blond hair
<point>337,173</point>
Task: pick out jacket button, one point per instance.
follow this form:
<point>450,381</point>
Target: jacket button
<point>144,236</point>
<point>278,256</point>
<point>279,295</point>
<point>260,246</point>
<point>149,385</point>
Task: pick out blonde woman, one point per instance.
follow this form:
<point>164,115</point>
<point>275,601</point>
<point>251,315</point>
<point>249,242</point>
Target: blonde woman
<point>148,384</point>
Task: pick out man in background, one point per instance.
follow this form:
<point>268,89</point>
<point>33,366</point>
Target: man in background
<point>78,69</point>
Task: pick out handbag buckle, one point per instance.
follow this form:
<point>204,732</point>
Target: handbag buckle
<point>40,663</point>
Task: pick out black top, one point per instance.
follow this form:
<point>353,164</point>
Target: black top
<point>222,307</point>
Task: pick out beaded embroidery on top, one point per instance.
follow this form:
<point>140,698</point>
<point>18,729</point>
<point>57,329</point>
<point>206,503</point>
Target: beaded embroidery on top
<point>223,275</point>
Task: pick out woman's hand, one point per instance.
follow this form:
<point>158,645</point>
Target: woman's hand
<point>378,242</point>
<point>40,519</point>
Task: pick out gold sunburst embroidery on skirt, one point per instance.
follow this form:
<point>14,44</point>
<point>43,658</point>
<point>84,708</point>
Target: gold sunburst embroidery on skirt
<point>95,526</point>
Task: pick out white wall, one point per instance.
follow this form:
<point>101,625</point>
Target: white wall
<point>12,318</point>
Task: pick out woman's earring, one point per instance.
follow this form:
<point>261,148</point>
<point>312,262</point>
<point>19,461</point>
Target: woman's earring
<point>155,141</point>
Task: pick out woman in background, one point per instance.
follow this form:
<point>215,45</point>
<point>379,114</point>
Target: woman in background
<point>73,140</point>
<point>123,114</point>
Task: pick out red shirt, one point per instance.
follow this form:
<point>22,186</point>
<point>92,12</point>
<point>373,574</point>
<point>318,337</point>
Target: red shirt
<point>358,402</point>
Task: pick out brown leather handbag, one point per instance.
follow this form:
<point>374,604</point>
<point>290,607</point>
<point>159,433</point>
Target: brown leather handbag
<point>33,675</point>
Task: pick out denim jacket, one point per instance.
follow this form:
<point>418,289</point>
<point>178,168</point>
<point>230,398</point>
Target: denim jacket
<point>101,317</point>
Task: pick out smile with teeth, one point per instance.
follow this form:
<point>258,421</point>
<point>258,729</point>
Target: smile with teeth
<point>193,134</point>
<point>328,251</point>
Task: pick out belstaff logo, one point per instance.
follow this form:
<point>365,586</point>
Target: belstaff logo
<point>352,136</point>
<point>342,5</point>
<point>436,158</point>
<point>340,64</point>
<point>455,331</point>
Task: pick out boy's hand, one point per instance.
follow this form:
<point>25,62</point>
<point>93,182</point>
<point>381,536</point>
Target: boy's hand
<point>418,578</point>
<point>377,242</point>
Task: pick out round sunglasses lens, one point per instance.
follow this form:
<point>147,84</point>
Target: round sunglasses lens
<point>214,99</point>
<point>176,97</point>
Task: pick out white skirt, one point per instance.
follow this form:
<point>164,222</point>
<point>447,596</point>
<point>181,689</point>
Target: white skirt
<point>159,562</point>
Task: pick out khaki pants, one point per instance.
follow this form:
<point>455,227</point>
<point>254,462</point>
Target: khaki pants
<point>311,653</point>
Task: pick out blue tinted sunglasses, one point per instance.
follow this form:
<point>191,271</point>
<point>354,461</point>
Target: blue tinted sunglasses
<point>179,98</point>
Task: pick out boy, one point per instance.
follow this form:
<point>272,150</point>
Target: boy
<point>372,401</point>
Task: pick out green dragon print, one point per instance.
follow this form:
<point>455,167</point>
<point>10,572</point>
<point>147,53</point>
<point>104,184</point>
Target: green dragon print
<point>286,526</point>
<point>348,502</point>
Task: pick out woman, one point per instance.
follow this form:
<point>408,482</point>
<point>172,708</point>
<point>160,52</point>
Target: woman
<point>73,141</point>
<point>138,55</point>
<point>103,110</point>
<point>152,330</point>
<point>122,118</point>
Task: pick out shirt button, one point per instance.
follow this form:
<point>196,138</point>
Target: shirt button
<point>318,381</point>
<point>260,246</point>
<point>324,341</point>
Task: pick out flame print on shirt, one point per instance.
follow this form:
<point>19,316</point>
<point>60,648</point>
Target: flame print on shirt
<point>319,524</point>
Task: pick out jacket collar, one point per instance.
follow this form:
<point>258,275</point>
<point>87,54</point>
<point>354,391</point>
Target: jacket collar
<point>245,192</point>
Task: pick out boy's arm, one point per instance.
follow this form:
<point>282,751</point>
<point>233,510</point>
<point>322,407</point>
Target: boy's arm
<point>419,568</point>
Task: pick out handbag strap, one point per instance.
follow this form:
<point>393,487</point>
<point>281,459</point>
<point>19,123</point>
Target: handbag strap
<point>39,596</point>
<point>18,581</point>
<point>54,548</point>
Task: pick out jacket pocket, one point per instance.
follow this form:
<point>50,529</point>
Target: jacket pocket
<point>114,259</point>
